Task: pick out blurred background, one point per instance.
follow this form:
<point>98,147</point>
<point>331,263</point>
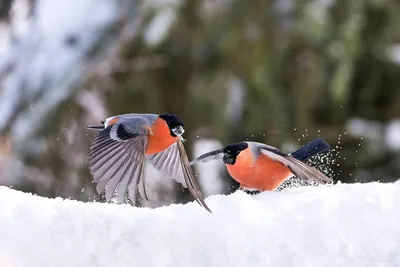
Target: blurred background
<point>282,72</point>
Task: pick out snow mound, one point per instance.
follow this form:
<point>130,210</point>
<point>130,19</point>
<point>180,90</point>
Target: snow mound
<point>340,225</point>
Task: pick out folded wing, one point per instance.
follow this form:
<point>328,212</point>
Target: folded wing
<point>299,168</point>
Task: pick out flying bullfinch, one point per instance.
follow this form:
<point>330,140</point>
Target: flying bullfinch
<point>117,154</point>
<point>263,167</point>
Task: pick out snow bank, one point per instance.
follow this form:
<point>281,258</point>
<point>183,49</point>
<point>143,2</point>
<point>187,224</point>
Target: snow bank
<point>341,225</point>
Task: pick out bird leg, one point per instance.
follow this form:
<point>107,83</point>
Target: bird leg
<point>248,190</point>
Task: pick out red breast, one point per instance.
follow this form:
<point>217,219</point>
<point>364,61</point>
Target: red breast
<point>261,173</point>
<point>159,137</point>
<point>243,169</point>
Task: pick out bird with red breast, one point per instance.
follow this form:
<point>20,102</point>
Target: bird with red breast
<point>262,167</point>
<point>118,152</point>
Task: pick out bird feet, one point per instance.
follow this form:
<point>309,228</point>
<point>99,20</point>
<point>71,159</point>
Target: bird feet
<point>248,190</point>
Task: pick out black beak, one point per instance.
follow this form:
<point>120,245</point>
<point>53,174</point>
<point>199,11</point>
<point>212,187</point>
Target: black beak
<point>228,159</point>
<point>178,130</point>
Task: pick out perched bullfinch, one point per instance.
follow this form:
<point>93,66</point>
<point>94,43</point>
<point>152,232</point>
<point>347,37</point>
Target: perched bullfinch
<point>265,168</point>
<point>117,154</point>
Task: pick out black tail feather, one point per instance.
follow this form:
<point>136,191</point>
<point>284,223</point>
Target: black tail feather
<point>313,148</point>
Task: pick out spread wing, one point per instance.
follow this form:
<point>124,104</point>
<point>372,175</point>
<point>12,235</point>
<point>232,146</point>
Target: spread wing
<point>116,158</point>
<point>299,168</point>
<point>212,155</point>
<point>173,162</point>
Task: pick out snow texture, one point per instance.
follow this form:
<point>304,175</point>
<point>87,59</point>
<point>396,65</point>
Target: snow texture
<point>341,225</point>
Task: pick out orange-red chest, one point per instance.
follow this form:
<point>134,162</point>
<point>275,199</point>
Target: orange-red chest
<point>262,173</point>
<point>159,137</point>
<point>243,169</point>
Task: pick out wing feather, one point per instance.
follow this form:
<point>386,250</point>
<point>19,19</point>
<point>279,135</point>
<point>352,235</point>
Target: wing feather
<point>121,170</point>
<point>117,162</point>
<point>173,163</point>
<point>134,181</point>
<point>299,168</point>
<point>190,178</point>
<point>142,182</point>
<point>212,155</point>
<point>168,163</point>
<point>100,169</point>
<point>123,185</point>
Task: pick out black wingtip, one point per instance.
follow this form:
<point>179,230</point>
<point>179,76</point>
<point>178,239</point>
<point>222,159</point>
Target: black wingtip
<point>204,205</point>
<point>96,127</point>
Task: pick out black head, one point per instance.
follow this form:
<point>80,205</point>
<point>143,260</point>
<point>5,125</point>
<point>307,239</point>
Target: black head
<point>175,124</point>
<point>232,151</point>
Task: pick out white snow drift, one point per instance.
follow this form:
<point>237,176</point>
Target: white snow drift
<point>340,225</point>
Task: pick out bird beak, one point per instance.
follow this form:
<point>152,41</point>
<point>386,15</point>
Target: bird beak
<point>228,159</point>
<point>178,130</point>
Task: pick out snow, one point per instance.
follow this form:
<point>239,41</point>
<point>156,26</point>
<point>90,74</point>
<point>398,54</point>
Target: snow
<point>340,225</point>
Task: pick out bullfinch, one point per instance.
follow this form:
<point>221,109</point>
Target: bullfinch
<point>117,154</point>
<point>263,167</point>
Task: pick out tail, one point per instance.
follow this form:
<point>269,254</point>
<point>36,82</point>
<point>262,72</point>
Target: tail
<point>313,148</point>
<point>96,127</point>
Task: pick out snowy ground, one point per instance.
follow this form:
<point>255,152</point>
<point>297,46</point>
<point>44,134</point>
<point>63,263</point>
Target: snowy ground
<point>341,225</point>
